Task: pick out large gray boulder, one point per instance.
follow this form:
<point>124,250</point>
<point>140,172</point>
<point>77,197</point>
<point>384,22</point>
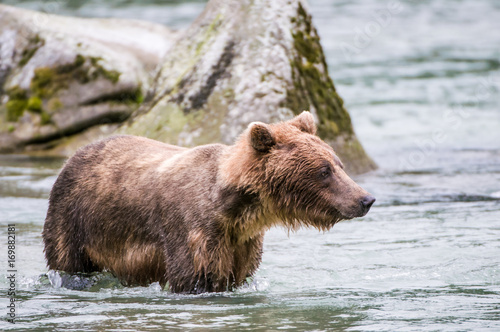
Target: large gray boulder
<point>240,61</point>
<point>62,75</point>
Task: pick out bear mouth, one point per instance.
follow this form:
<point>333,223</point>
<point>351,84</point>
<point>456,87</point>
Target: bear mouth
<point>338,216</point>
<point>356,213</point>
<point>323,220</point>
<point>334,218</point>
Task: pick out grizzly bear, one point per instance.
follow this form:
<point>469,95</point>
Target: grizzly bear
<point>194,219</point>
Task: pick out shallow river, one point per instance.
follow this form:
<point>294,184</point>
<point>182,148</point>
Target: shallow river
<point>423,89</point>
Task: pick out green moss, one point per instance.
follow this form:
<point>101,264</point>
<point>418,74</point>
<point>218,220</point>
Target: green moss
<point>48,80</point>
<point>134,97</point>
<point>111,75</point>
<point>76,71</point>
<point>11,128</point>
<point>36,39</point>
<point>16,93</point>
<point>304,19</point>
<point>43,82</point>
<point>17,103</point>
<point>34,104</point>
<point>308,46</point>
<point>71,67</point>
<point>15,109</point>
<point>139,97</point>
<point>312,86</point>
<point>54,104</point>
<point>94,60</point>
<point>131,98</point>
<point>27,55</point>
<point>34,44</point>
<point>45,118</point>
<point>331,127</point>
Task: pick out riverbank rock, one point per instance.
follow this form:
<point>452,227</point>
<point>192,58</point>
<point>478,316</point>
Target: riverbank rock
<point>239,61</point>
<point>62,75</point>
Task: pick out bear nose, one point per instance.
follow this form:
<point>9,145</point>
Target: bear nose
<point>367,202</point>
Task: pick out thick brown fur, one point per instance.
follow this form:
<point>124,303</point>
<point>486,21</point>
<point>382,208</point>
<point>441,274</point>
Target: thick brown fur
<point>193,218</point>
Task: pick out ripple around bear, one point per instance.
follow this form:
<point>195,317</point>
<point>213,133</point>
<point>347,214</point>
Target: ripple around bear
<point>194,218</point>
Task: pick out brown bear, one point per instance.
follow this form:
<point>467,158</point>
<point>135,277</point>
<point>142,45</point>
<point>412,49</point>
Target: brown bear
<point>194,218</point>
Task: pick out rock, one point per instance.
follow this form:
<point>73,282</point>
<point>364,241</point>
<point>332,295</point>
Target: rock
<point>244,61</point>
<point>240,61</point>
<point>61,75</point>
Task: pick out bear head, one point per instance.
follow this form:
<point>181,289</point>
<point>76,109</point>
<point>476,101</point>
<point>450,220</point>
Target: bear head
<point>296,175</point>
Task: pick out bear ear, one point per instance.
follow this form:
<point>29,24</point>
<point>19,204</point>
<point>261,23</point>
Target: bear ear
<point>261,137</point>
<point>305,122</point>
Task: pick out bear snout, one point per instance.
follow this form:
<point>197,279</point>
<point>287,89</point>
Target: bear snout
<point>366,203</point>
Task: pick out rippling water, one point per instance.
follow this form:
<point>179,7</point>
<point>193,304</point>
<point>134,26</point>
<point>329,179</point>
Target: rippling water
<point>422,86</point>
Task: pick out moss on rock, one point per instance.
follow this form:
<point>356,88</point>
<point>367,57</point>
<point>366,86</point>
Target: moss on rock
<point>16,93</point>
<point>111,75</point>
<point>44,84</point>
<point>17,103</point>
<point>15,109</point>
<point>312,86</point>
<point>48,80</point>
<point>34,44</point>
<point>45,118</point>
<point>54,104</point>
<point>34,104</point>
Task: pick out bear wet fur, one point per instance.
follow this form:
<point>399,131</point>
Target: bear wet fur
<point>193,218</point>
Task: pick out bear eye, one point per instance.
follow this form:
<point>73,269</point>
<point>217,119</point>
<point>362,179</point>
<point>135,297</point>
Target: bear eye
<point>324,173</point>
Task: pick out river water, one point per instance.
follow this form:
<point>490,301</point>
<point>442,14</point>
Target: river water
<point>421,80</point>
